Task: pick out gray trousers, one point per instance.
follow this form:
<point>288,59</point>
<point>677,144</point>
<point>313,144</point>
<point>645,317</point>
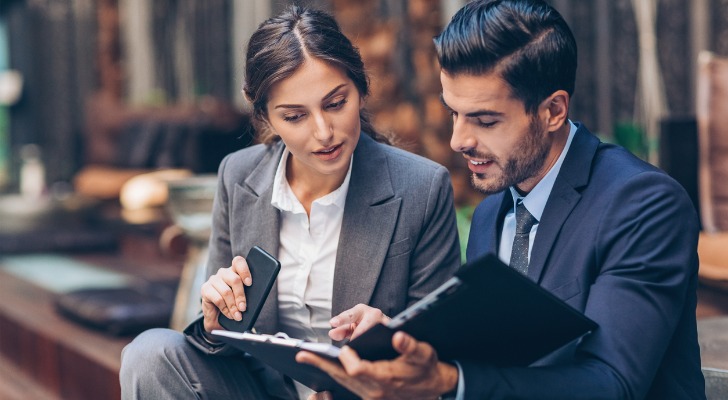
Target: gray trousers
<point>162,364</point>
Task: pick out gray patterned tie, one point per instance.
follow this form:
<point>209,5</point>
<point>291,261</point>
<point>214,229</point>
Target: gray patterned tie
<point>519,253</point>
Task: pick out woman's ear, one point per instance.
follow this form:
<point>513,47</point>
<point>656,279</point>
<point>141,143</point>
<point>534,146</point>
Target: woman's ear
<point>555,110</point>
<point>267,126</point>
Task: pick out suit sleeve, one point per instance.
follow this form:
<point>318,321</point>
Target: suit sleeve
<point>645,266</point>
<point>219,255</point>
<point>220,250</point>
<point>436,255</point>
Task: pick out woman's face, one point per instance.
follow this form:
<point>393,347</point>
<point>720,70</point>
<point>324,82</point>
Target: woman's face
<point>315,112</point>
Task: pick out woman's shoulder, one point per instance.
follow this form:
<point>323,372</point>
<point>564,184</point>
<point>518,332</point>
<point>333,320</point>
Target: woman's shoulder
<point>397,154</point>
<point>403,160</point>
<point>250,156</point>
<point>239,165</point>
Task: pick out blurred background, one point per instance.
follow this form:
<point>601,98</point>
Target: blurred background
<point>114,115</point>
<point>90,69</point>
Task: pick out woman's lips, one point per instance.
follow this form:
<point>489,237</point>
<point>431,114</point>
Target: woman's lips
<point>329,153</point>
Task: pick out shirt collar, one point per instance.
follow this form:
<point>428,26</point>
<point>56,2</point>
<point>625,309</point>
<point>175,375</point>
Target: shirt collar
<point>284,199</point>
<point>535,200</point>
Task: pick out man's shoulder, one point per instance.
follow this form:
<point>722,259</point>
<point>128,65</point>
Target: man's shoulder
<point>614,165</point>
<point>598,164</point>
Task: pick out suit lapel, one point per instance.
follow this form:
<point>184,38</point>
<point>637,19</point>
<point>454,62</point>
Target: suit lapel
<point>565,195</point>
<point>505,205</point>
<point>370,216</point>
<point>253,200</point>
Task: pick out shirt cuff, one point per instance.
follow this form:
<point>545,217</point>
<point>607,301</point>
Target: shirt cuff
<point>214,344</point>
<point>459,392</point>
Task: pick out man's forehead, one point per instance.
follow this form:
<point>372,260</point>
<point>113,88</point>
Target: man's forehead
<point>470,91</point>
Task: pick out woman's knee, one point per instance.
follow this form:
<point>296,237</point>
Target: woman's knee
<point>151,347</point>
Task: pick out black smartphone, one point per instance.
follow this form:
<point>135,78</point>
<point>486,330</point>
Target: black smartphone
<point>264,270</point>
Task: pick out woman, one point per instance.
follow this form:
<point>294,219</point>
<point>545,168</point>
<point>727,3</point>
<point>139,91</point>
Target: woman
<point>352,220</point>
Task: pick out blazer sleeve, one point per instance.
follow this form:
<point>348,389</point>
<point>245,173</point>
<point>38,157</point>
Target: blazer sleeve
<point>220,250</point>
<point>644,287</point>
<point>219,255</point>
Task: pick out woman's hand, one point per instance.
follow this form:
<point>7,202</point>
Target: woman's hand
<point>354,321</point>
<point>224,293</point>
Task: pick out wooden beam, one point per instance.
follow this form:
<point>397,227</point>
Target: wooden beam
<point>602,66</point>
<point>700,32</point>
<point>245,18</point>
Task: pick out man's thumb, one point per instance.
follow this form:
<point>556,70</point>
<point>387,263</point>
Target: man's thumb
<point>410,348</point>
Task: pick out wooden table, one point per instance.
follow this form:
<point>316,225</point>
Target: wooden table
<point>63,358</point>
<point>713,339</point>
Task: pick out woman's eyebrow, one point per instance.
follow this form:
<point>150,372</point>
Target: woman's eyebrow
<point>333,91</point>
<point>328,95</point>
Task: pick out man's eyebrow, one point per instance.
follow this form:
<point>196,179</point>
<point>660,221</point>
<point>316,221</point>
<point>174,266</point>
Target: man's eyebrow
<point>326,97</point>
<point>442,100</point>
<point>474,114</point>
<point>481,113</point>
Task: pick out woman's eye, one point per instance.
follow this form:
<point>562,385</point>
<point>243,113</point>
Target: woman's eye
<point>292,117</point>
<point>337,105</point>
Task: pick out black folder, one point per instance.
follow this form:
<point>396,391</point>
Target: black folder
<point>487,312</point>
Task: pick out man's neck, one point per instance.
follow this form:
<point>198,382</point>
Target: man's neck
<point>560,136</point>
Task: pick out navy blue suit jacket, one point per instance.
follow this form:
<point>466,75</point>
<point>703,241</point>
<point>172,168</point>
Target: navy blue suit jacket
<point>617,240</point>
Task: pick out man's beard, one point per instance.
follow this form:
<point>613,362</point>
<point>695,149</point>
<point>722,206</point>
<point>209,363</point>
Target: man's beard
<point>525,161</point>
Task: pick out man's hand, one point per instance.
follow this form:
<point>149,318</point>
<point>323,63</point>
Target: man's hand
<point>415,374</point>
<point>224,293</point>
<point>354,321</point>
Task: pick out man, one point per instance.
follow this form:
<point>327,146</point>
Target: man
<point>611,235</point>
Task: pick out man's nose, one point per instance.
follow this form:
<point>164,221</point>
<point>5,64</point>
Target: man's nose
<point>462,138</point>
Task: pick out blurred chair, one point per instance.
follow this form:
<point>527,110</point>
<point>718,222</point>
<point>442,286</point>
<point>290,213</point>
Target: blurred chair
<point>190,205</point>
<point>712,119</point>
<point>712,116</point>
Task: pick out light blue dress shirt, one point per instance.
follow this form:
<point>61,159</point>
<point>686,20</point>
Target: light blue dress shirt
<point>535,202</point>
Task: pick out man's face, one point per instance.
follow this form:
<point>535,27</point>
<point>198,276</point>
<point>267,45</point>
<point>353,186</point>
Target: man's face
<point>503,145</point>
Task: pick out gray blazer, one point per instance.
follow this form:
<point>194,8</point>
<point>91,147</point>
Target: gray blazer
<point>398,237</point>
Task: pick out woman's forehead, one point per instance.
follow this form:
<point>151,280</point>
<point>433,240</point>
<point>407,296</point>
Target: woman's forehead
<point>313,81</point>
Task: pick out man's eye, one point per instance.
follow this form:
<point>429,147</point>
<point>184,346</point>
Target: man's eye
<point>487,124</point>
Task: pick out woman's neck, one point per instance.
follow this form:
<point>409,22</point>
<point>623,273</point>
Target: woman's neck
<point>308,186</point>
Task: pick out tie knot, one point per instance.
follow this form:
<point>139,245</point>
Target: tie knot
<point>524,219</point>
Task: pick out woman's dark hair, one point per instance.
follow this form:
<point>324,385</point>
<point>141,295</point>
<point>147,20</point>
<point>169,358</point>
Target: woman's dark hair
<point>526,41</point>
<point>279,47</point>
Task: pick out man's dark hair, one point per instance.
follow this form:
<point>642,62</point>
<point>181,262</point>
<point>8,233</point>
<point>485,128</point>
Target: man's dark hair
<point>526,42</point>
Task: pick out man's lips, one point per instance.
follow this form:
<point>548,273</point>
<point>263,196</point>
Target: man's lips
<point>479,166</point>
